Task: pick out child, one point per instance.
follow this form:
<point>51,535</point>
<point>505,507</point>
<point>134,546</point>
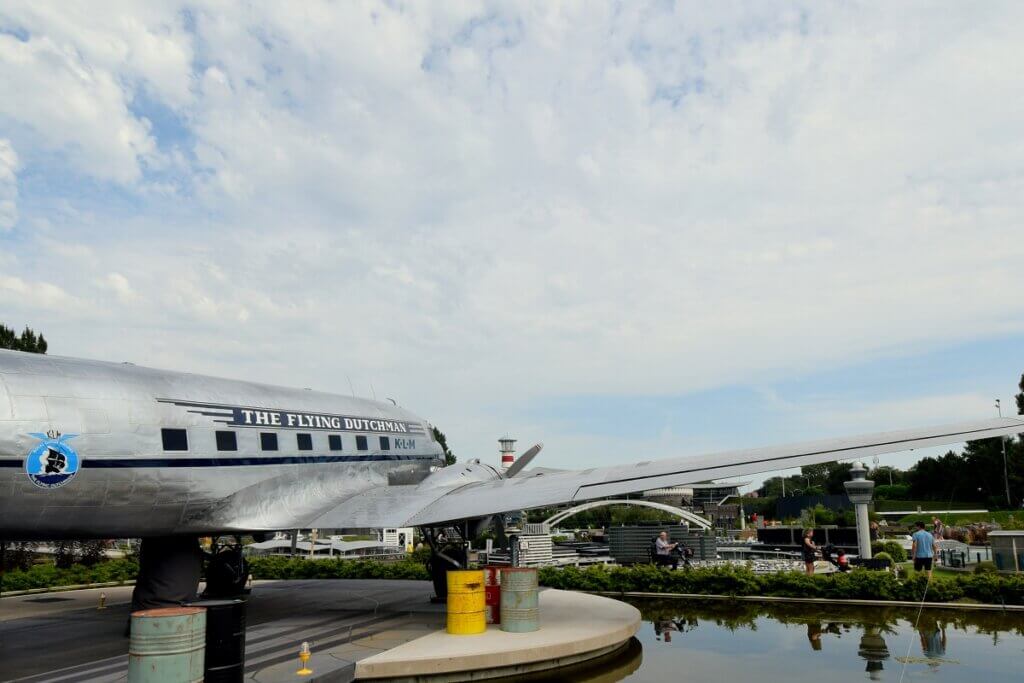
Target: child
<point>842,561</point>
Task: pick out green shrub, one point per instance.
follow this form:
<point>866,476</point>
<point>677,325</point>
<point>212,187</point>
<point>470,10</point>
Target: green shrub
<point>741,581</point>
<point>883,556</point>
<point>985,568</point>
<point>893,549</point>
<point>892,492</point>
<point>49,576</point>
<point>299,568</point>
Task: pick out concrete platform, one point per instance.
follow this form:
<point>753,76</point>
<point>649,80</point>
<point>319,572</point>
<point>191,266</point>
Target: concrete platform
<point>575,627</point>
<point>63,638</point>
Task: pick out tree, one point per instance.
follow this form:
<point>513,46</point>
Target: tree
<point>67,553</point>
<point>1020,397</point>
<point>28,340</point>
<point>449,457</point>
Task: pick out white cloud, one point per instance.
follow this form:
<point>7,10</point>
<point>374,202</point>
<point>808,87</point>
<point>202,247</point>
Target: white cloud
<point>463,201</point>
<point>8,185</point>
<point>122,289</point>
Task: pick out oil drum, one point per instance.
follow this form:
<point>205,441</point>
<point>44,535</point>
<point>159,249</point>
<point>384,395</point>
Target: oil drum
<point>167,644</point>
<point>466,602</point>
<point>225,640</point>
<point>519,600</point>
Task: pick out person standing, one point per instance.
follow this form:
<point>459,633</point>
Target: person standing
<point>663,551</point>
<point>922,549</point>
<point>938,529</point>
<point>809,551</point>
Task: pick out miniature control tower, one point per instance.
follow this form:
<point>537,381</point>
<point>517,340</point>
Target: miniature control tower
<point>508,452</point>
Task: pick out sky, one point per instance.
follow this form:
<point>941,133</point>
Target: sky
<point>628,230</point>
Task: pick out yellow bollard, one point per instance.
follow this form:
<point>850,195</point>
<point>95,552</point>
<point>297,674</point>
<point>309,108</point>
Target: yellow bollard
<point>304,658</point>
<point>103,601</point>
<point>466,615</point>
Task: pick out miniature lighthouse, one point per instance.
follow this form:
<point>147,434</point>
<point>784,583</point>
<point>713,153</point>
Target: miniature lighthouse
<point>508,452</point>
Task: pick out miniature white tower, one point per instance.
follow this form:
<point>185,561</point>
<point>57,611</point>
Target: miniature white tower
<point>508,452</point>
<point>859,489</point>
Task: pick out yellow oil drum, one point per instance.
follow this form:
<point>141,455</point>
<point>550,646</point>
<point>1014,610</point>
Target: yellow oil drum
<point>466,602</point>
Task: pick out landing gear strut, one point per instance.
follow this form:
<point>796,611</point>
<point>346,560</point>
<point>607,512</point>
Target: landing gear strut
<point>226,571</point>
<point>446,553</point>
<point>169,570</point>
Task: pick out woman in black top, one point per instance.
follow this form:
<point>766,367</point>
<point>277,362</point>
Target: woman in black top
<point>809,551</point>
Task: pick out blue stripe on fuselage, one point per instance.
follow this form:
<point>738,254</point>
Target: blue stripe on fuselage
<point>106,463</point>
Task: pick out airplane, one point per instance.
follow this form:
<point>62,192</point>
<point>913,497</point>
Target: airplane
<point>92,449</point>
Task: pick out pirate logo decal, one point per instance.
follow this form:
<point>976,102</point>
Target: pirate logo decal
<point>52,463</point>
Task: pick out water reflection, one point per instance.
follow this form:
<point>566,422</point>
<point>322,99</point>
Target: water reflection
<point>801,643</point>
<point>873,648</point>
<point>721,641</point>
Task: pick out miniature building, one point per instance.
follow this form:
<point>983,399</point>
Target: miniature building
<point>696,495</point>
<point>1007,550</point>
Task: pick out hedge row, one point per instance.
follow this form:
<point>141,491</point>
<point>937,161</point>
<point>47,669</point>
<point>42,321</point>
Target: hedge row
<point>740,581</point>
<point>48,576</point>
<point>298,568</point>
<point>730,580</point>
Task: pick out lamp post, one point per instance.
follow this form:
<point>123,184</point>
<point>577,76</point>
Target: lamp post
<point>1006,471</point>
<point>859,489</point>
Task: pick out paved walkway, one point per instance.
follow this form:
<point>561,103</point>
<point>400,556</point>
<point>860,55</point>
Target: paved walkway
<point>70,641</point>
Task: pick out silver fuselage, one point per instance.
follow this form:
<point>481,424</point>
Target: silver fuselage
<point>128,484</point>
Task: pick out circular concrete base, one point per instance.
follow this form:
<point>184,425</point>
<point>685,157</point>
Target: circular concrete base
<point>575,627</point>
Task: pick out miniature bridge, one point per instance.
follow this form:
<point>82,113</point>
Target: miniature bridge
<point>690,517</point>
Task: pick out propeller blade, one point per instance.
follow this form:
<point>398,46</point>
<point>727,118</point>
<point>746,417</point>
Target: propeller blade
<point>522,461</point>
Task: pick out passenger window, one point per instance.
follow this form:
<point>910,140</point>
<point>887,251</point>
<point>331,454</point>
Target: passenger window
<point>227,441</point>
<point>334,441</point>
<point>174,439</point>
<point>305,441</point>
<point>385,443</point>
<point>268,441</point>
<point>361,443</point>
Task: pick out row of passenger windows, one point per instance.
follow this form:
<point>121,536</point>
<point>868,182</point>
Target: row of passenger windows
<point>177,440</point>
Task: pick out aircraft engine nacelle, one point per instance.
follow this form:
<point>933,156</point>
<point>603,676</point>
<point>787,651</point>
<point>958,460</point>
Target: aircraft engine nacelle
<point>460,474</point>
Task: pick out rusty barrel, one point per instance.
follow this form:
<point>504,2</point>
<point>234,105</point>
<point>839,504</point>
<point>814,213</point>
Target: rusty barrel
<point>492,593</point>
<point>519,600</point>
<point>167,644</point>
<point>466,602</point>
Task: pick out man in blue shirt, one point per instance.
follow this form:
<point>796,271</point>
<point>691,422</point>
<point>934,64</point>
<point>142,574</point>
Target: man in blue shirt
<point>922,549</point>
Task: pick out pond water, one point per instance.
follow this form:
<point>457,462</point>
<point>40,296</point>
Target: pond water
<point>721,641</point>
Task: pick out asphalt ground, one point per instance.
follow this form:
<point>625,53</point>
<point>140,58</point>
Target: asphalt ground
<point>63,637</point>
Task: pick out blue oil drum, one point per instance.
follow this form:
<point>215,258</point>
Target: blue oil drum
<point>167,644</point>
<point>519,600</point>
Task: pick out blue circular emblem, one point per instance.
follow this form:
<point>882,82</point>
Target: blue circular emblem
<point>53,462</point>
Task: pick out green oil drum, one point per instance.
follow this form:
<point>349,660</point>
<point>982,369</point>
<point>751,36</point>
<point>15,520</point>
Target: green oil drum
<point>167,644</point>
<point>519,600</point>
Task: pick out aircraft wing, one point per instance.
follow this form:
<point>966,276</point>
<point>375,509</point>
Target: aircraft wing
<point>427,504</point>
